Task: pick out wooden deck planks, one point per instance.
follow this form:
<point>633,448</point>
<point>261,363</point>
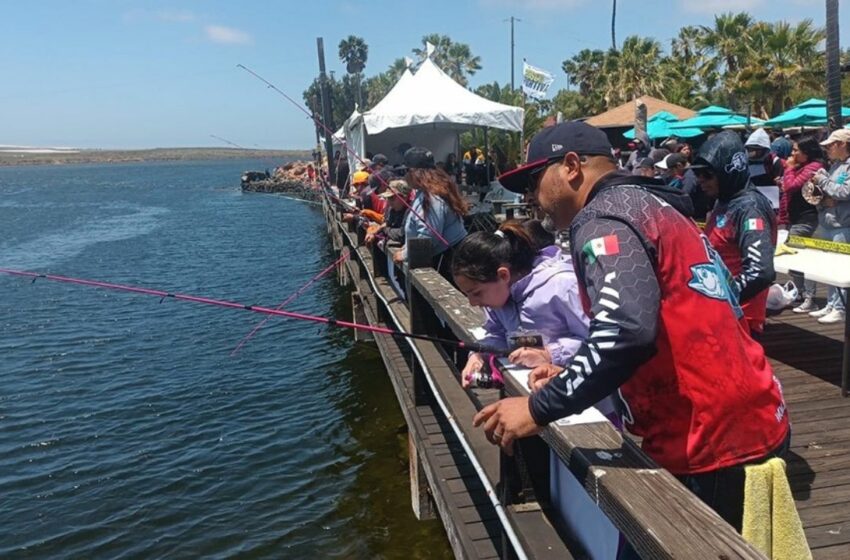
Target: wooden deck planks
<point>806,357</point>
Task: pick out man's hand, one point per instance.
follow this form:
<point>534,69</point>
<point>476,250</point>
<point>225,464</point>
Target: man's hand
<point>506,421</point>
<point>530,357</point>
<point>398,257</point>
<point>541,375</point>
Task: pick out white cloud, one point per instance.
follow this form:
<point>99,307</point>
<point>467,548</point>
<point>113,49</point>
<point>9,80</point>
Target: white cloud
<point>175,16</point>
<point>720,6</point>
<point>227,35</point>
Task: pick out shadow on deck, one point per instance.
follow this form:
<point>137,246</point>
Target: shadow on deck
<point>806,357</point>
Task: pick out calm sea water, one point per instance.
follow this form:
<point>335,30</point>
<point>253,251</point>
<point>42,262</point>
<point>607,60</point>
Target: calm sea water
<point>128,431</point>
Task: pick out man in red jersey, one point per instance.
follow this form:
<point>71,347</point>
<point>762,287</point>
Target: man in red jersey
<point>692,382</point>
<point>742,225</point>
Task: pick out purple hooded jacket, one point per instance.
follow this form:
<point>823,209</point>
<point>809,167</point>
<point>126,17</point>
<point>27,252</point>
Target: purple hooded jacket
<point>545,301</point>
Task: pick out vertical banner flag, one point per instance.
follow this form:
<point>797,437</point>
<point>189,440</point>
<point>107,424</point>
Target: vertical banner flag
<point>535,82</point>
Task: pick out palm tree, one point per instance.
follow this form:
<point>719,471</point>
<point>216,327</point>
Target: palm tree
<point>456,59</point>
<point>354,51</point>
<point>782,62</point>
<point>727,40</point>
<point>614,26</point>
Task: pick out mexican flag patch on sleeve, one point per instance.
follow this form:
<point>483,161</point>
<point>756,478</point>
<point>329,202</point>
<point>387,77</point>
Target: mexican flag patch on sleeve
<point>608,245</point>
<point>754,224</point>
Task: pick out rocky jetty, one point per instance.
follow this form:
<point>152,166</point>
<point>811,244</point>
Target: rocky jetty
<point>293,179</point>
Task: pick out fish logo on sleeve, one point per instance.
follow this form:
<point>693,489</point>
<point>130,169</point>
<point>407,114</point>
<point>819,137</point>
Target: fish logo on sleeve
<point>595,248</point>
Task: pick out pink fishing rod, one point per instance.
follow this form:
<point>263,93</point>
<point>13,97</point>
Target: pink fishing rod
<point>253,308</point>
<point>345,146</point>
<point>289,300</point>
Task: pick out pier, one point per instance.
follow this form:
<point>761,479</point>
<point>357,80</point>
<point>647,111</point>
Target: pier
<point>495,506</point>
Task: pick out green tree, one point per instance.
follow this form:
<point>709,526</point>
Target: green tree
<point>455,59</point>
<point>354,52</point>
<point>782,62</point>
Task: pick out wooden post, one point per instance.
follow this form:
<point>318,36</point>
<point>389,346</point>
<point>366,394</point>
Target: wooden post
<point>509,213</point>
<point>640,118</point>
<point>420,495</point>
<point>359,316</point>
<point>418,256</point>
<point>326,110</point>
<point>379,261</point>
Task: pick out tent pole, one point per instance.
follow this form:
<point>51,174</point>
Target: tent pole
<point>487,153</point>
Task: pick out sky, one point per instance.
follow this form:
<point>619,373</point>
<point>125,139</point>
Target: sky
<point>123,74</point>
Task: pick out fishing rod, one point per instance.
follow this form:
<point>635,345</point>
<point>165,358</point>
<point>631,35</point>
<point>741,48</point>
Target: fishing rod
<point>345,147</point>
<point>226,141</point>
<point>289,300</point>
<point>331,322</point>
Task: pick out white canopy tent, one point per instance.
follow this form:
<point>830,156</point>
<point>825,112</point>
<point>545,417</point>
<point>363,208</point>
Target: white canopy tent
<point>427,109</point>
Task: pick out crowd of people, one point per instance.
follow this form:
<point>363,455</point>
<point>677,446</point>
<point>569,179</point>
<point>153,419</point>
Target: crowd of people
<point>648,315</point>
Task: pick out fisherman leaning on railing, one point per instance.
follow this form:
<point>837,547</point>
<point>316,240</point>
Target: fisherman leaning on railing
<point>694,385</point>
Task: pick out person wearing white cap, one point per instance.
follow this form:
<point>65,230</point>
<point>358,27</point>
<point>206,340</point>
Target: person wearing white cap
<point>834,212</point>
<point>758,150</point>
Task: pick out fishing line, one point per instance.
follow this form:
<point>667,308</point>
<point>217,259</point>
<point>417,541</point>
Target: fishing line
<point>290,299</point>
<point>345,147</point>
<point>473,347</point>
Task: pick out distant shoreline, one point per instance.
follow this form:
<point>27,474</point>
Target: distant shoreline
<point>8,158</point>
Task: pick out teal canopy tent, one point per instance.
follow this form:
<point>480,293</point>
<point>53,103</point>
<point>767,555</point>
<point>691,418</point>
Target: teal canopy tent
<point>658,126</point>
<point>712,117</point>
<point>808,113</point>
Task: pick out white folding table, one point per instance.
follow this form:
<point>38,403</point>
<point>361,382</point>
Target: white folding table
<point>828,268</point>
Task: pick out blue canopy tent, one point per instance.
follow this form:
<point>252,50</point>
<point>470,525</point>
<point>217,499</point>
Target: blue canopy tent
<point>808,113</point>
<point>658,126</point>
<point>713,116</point>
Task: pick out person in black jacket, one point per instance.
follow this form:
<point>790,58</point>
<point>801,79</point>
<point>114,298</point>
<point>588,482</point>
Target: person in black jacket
<point>742,225</point>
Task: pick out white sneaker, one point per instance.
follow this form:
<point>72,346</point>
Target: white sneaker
<point>825,311</point>
<point>834,316</point>
<point>807,306</point>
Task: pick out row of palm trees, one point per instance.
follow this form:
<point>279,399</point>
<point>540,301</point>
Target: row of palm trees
<point>737,61</point>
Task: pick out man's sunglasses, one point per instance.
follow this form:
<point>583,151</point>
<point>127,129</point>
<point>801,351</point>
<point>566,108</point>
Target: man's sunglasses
<point>703,172</point>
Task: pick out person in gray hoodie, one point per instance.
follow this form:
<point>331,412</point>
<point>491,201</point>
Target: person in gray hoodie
<point>834,212</point>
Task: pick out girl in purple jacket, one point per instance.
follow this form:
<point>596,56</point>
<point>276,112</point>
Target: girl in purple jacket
<point>529,293</point>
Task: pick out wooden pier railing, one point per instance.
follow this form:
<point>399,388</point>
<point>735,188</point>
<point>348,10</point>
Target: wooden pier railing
<point>492,505</point>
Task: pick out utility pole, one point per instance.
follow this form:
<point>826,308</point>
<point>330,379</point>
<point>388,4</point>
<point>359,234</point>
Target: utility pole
<point>326,111</point>
<point>833,67</point>
<point>512,19</point>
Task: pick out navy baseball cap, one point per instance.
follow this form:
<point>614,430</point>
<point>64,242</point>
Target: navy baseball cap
<point>418,158</point>
<point>554,143</point>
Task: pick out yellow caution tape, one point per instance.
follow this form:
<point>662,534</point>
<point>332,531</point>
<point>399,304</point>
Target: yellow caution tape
<point>808,243</point>
<point>819,244</point>
<point>783,249</point>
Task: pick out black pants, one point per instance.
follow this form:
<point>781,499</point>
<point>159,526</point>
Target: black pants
<point>721,490</point>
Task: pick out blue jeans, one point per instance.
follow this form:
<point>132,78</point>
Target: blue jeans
<point>835,297</point>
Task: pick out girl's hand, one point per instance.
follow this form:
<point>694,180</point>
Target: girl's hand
<point>398,257</point>
<point>473,364</point>
<point>530,357</point>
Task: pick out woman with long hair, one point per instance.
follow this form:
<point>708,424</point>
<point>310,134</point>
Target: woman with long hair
<point>795,214</point>
<point>437,208</point>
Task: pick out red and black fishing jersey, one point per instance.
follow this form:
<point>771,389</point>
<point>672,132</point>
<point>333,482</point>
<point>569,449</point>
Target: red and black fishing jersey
<point>743,230</point>
<point>667,333</point>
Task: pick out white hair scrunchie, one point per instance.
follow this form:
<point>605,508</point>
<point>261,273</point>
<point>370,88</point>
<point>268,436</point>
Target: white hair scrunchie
<point>499,233</point>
